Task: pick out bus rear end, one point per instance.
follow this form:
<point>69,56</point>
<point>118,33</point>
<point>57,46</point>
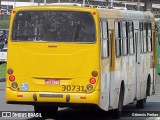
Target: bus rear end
<point>53,57</point>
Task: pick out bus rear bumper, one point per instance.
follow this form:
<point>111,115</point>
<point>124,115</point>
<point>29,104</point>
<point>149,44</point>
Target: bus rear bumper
<point>50,97</point>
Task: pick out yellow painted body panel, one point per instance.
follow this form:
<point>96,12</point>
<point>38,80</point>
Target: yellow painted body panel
<point>35,63</point>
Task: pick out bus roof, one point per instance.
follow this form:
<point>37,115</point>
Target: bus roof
<point>103,11</point>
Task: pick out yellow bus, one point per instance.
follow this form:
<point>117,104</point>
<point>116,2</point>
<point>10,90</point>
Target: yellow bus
<point>70,55</point>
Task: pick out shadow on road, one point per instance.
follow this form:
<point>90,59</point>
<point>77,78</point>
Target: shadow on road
<point>80,115</point>
<point>128,111</point>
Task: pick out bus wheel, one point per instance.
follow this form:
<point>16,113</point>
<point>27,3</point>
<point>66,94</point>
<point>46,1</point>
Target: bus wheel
<point>118,111</point>
<point>46,111</point>
<point>148,86</point>
<point>141,103</point>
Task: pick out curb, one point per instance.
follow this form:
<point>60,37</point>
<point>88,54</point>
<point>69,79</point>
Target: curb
<point>2,79</point>
<point>153,118</point>
<point>158,118</point>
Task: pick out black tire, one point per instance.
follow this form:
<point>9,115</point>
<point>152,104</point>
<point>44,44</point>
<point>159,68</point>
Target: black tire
<point>141,103</point>
<point>148,87</point>
<point>46,111</point>
<point>118,111</point>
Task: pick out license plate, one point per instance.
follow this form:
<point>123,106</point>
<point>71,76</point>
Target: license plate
<point>52,82</point>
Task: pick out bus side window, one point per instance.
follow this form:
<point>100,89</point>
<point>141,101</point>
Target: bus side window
<point>149,37</point>
<point>118,38</point>
<point>144,38</point>
<point>124,37</point>
<point>104,39</point>
<point>141,37</point>
<point>131,38</point>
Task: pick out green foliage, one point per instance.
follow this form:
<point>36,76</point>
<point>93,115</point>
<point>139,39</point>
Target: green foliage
<point>3,70</point>
<point>4,24</point>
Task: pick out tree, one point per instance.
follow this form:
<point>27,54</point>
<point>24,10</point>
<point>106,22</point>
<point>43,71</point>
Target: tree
<point>4,24</point>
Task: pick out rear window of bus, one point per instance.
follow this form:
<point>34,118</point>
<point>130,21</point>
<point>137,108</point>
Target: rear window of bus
<point>54,26</point>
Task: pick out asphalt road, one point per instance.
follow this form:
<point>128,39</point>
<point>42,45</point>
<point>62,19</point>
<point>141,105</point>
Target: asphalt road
<point>152,106</point>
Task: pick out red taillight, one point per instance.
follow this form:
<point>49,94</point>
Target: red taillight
<point>92,80</point>
<point>10,71</point>
<point>12,78</point>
